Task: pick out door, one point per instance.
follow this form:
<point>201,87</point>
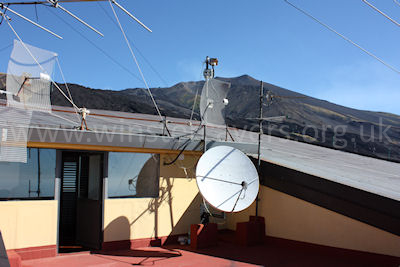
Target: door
<point>81,206</point>
<point>89,204</point>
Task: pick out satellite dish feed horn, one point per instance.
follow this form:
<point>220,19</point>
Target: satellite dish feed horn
<point>227,179</point>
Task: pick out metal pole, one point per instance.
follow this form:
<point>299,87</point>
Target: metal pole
<point>204,119</point>
<point>205,134</point>
<point>38,161</point>
<point>57,5</point>
<point>259,138</point>
<point>130,15</point>
<point>226,131</point>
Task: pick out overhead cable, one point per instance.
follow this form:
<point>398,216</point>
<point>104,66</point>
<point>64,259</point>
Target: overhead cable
<point>66,86</point>
<point>195,97</point>
<point>57,5</point>
<point>96,46</point>
<point>134,46</point>
<point>134,58</point>
<point>380,12</point>
<point>4,48</point>
<point>130,14</point>
<point>344,37</point>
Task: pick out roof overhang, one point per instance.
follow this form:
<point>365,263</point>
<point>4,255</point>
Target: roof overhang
<point>110,141</point>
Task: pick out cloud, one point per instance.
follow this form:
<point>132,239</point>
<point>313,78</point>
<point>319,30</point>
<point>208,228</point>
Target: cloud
<point>189,70</point>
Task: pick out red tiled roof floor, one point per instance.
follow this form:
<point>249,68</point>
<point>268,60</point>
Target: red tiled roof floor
<point>276,252</point>
<point>142,256</point>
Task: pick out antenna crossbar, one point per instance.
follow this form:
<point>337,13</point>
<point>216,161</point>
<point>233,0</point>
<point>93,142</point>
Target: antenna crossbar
<point>57,5</point>
<point>25,18</point>
<point>130,15</point>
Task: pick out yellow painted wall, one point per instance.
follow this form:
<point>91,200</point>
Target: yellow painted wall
<point>28,223</point>
<point>172,213</point>
<point>34,223</point>
<point>292,218</point>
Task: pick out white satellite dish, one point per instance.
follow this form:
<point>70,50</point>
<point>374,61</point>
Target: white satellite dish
<point>227,179</point>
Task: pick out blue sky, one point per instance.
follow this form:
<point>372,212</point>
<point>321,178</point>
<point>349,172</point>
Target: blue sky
<point>267,39</point>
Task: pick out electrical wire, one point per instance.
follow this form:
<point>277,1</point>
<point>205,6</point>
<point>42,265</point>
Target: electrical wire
<point>57,5</point>
<point>134,58</point>
<point>380,12</point>
<point>194,104</point>
<point>36,13</point>
<point>66,86</point>
<point>186,143</point>
<point>96,46</point>
<point>195,98</point>
<point>397,2</point>
<point>61,117</point>
<point>134,46</point>
<point>4,48</point>
<point>344,37</point>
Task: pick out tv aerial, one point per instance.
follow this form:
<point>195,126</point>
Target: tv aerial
<point>5,6</point>
<point>227,179</point>
<point>6,13</point>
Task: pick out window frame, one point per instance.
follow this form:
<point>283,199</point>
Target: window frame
<point>157,177</point>
<point>28,198</point>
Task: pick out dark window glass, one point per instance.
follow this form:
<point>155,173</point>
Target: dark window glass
<point>31,180</point>
<point>133,174</point>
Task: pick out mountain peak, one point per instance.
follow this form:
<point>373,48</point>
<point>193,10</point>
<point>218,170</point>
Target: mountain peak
<point>245,77</point>
<point>242,80</point>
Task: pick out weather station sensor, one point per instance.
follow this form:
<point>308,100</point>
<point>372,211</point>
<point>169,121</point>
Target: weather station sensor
<point>209,73</point>
<point>213,99</point>
<point>227,179</point>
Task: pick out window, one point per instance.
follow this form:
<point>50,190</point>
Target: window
<point>133,174</point>
<point>31,180</point>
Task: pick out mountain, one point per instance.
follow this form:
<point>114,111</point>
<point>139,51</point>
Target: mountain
<point>375,134</point>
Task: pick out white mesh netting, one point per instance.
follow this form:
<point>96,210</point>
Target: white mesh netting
<point>212,106</point>
<point>28,90</point>
<point>14,126</point>
<point>29,83</point>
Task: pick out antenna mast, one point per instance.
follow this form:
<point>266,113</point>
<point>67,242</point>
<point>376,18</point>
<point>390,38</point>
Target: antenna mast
<point>260,133</point>
<point>208,74</point>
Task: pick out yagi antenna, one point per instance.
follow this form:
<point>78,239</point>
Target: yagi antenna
<point>57,5</point>
<point>25,18</point>
<point>130,15</point>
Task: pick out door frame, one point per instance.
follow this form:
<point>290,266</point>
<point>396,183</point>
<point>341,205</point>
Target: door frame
<point>58,187</point>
